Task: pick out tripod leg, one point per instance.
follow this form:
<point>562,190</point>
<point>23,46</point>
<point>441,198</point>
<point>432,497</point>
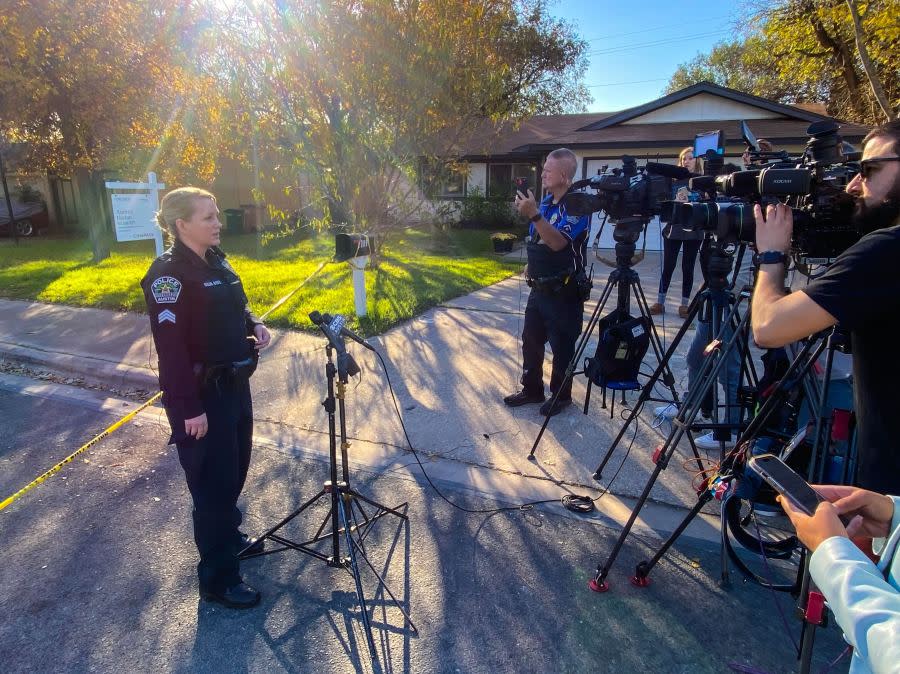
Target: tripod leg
<point>381,582</point>
<point>642,571</point>
<point>354,570</point>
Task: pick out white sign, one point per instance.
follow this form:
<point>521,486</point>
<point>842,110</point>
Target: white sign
<point>135,217</point>
<point>135,213</point>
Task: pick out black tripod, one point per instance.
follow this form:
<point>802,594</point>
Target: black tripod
<point>715,299</point>
<point>712,302</point>
<point>346,514</point>
<point>810,607</point>
<point>625,280</point>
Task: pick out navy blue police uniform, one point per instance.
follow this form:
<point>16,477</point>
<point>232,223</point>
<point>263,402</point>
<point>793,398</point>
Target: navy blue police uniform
<point>555,307</point>
<point>201,325</point>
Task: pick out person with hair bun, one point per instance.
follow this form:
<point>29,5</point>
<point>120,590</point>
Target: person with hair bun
<point>207,341</point>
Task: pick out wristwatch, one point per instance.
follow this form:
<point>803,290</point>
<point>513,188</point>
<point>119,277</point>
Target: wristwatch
<point>537,216</point>
<point>770,257</point>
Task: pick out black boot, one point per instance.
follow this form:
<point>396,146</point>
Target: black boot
<point>236,596</point>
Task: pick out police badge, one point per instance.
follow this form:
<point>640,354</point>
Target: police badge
<point>166,290</point>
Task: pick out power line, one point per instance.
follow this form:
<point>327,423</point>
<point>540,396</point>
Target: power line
<point>619,84</point>
<point>650,30</point>
<point>656,43</point>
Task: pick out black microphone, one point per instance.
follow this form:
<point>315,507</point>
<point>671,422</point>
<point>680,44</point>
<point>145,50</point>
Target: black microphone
<point>668,171</point>
<point>335,340</point>
<point>337,325</point>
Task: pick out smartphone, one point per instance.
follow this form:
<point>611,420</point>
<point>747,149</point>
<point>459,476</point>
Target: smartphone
<point>748,137</point>
<point>521,185</point>
<point>785,481</point>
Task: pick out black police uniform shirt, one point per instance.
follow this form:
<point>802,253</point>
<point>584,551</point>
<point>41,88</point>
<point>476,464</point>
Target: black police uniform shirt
<point>575,228</point>
<point>198,316</point>
<point>862,291</point>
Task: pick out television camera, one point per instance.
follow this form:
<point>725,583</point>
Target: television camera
<point>813,185</point>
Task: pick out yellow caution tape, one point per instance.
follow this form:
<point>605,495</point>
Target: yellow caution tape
<point>128,417</point>
<point>90,443</point>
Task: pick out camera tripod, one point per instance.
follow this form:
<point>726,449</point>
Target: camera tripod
<point>712,301</point>
<point>724,485</point>
<point>625,280</point>
<point>346,514</point>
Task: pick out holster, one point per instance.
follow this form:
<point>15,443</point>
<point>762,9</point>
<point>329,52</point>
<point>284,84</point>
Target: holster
<point>226,374</point>
<point>551,285</point>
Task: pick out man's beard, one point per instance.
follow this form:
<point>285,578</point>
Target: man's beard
<point>886,214</point>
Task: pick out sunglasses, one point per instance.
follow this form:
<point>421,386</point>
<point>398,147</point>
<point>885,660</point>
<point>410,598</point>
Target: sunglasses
<point>866,166</point>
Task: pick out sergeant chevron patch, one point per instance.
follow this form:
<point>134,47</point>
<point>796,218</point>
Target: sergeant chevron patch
<point>166,315</point>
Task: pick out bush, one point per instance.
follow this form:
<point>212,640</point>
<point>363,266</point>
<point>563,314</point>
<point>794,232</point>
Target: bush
<point>481,212</point>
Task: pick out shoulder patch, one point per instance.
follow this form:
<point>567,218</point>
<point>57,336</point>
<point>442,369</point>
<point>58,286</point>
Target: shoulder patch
<point>166,315</point>
<point>166,289</point>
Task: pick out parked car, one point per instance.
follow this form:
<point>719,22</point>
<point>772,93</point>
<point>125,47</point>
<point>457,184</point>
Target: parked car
<point>25,214</point>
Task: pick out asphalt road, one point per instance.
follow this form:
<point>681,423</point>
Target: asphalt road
<point>97,574</point>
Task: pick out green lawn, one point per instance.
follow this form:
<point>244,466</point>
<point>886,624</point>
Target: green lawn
<point>410,278</point>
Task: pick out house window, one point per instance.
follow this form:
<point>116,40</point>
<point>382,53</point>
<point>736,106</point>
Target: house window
<point>502,179</point>
<point>443,182</point>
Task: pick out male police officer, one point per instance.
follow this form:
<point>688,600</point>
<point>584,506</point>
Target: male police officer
<point>860,291</point>
<point>555,306</point>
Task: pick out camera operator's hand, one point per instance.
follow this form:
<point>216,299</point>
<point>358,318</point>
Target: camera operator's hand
<point>872,512</point>
<point>525,204</point>
<point>773,231</point>
<point>813,530</point>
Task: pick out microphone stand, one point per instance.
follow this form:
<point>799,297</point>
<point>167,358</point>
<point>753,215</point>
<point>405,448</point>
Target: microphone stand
<point>348,518</point>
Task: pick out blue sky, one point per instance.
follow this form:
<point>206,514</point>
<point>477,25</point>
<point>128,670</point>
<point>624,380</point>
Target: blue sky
<point>634,46</point>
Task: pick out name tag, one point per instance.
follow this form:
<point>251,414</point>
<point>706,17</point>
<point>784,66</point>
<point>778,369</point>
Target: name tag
<point>210,284</point>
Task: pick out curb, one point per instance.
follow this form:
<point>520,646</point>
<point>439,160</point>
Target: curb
<point>113,374</point>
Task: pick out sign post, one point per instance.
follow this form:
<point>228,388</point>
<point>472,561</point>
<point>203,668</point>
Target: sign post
<point>134,212</point>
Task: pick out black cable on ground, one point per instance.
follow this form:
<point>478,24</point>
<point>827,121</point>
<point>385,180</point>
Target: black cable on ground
<point>576,500</point>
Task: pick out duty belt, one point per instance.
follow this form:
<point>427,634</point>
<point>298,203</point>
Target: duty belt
<point>226,373</point>
<point>550,285</point>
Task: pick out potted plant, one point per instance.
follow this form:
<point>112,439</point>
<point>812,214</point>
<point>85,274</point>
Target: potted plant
<point>503,241</point>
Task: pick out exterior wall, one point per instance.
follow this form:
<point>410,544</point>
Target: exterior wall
<point>703,108</point>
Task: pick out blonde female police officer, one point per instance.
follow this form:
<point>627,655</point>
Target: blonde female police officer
<point>207,341</point>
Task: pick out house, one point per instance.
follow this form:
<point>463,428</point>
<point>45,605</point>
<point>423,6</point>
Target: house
<point>656,131</point>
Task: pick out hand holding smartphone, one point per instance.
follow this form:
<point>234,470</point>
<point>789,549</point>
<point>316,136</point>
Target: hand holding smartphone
<point>789,484</point>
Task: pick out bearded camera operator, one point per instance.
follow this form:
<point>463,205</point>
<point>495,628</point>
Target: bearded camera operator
<point>559,287</point>
<point>860,291</point>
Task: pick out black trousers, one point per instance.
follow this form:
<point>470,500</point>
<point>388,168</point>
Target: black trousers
<point>216,467</point>
<point>670,259</point>
<point>557,319</point>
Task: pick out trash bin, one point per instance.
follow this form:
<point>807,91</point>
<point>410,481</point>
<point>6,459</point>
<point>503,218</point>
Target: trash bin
<point>234,220</point>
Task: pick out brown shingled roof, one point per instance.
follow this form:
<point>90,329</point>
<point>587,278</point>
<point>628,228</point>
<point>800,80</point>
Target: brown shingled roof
<point>546,132</point>
<point>601,130</point>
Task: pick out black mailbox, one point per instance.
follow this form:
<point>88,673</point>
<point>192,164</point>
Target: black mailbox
<point>347,246</point>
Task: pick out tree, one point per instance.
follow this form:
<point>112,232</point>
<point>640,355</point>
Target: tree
<point>108,84</point>
<point>745,65</point>
<point>868,66</point>
<point>356,96</point>
<point>809,50</point>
